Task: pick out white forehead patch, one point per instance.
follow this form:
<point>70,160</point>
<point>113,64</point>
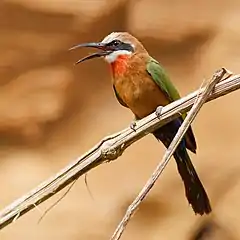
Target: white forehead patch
<point>110,58</point>
<point>115,36</point>
<point>112,36</point>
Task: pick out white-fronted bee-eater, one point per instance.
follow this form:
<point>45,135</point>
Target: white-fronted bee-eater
<point>141,84</point>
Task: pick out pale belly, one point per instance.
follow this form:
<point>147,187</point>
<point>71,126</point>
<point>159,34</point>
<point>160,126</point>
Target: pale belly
<point>142,96</point>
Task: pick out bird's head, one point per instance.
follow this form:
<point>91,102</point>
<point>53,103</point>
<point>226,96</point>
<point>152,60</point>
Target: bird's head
<point>114,46</point>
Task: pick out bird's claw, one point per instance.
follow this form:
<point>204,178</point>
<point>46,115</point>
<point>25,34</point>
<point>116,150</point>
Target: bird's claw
<point>133,125</point>
<point>158,111</point>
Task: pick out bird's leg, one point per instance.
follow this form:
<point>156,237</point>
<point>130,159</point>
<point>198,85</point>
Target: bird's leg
<point>133,124</point>
<point>159,111</point>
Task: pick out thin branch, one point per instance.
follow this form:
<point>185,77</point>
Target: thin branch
<point>86,184</point>
<point>168,154</point>
<point>54,204</point>
<point>107,150</point>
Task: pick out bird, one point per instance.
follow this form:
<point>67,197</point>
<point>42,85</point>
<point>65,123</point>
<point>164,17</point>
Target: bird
<point>141,84</point>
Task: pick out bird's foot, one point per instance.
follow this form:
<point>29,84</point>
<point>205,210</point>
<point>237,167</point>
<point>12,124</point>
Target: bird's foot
<point>159,111</point>
<point>133,125</point>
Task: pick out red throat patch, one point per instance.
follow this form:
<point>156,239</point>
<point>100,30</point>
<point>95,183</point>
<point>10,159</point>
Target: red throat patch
<point>119,66</point>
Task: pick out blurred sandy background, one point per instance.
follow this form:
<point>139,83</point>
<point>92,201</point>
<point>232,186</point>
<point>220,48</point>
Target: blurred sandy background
<point>51,112</point>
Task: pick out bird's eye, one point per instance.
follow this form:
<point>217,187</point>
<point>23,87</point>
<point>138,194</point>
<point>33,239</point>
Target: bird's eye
<point>115,42</point>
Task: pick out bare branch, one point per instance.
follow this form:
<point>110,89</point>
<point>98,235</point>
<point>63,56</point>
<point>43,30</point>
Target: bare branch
<point>107,150</point>
<point>168,154</point>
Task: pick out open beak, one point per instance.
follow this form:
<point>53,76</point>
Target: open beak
<point>102,46</point>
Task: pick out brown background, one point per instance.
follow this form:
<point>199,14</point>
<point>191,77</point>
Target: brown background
<point>51,112</point>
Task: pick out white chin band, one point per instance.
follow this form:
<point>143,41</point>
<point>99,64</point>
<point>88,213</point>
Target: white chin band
<point>114,55</point>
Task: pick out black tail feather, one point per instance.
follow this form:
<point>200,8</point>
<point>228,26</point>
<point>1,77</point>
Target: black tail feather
<point>194,189</point>
<point>190,139</point>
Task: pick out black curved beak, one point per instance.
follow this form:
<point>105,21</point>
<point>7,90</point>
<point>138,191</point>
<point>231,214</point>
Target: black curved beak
<point>102,46</point>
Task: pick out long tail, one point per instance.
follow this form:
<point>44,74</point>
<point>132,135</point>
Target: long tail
<point>194,189</point>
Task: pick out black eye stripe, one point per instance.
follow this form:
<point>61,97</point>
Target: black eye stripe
<point>114,43</point>
<point>119,45</point>
<point>127,46</point>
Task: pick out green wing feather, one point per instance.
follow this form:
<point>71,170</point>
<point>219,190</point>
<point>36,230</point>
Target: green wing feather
<point>161,78</point>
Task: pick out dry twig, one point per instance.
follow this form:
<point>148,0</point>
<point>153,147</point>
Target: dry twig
<point>107,150</point>
<point>168,154</point>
